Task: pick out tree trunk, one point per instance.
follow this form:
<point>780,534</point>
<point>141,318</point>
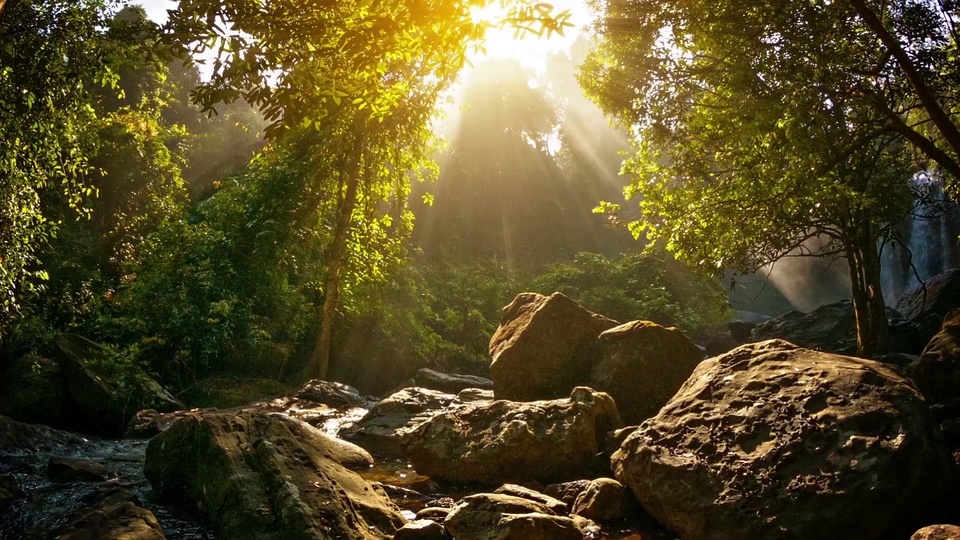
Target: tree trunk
<point>868,306</point>
<point>319,364</point>
<point>945,125</point>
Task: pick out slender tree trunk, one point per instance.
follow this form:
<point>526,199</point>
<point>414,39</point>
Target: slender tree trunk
<point>872,326</point>
<point>945,125</point>
<point>319,364</point>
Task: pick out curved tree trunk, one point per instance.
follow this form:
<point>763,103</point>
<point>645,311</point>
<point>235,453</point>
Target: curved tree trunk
<point>319,364</point>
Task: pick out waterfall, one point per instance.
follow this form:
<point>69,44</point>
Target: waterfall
<point>929,240</point>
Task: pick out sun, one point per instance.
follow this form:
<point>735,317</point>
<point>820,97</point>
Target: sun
<point>530,50</point>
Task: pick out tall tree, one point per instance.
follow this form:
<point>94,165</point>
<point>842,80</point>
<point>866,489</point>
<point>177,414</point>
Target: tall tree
<point>756,129</point>
<point>365,75</point>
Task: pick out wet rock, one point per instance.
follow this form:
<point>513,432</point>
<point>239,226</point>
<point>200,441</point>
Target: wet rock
<point>567,491</point>
<point>19,437</point>
<point>604,500</point>
<point>63,469</point>
<point>939,295</point>
<point>9,490</point>
<point>937,371</point>
<point>112,513</point>
<point>641,365</point>
<point>450,382</point>
<point>102,402</point>
<point>380,431</point>
<point>482,442</point>
<point>330,393</point>
<point>542,348</point>
<point>937,532</point>
<point>556,506</point>
<point>32,390</point>
<point>535,527</point>
<point>831,328</point>
<point>149,423</point>
<point>772,439</point>
<point>422,529</point>
<point>260,476</point>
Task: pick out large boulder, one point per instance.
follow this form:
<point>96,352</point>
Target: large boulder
<point>450,382</point>
<point>18,437</point>
<point>490,516</point>
<point>938,295</point>
<point>268,476</point>
<point>381,430</point>
<point>508,441</point>
<point>831,328</point>
<point>542,348</point>
<point>32,390</point>
<point>775,441</point>
<point>112,513</point>
<point>937,371</point>
<point>642,365</point>
<point>100,401</point>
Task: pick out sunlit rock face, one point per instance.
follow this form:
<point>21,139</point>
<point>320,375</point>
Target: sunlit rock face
<point>264,476</point>
<point>542,348</point>
<point>775,441</point>
<point>937,371</point>
<point>642,365</point>
<point>508,441</point>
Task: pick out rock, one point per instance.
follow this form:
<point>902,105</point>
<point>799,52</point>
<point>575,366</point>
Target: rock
<point>422,529</point>
<point>507,441</point>
<point>434,513</point>
<point>469,395</point>
<point>536,527</point>
<point>743,323</point>
<point>937,371</point>
<point>937,532</point>
<point>112,513</point>
<point>450,383</point>
<point>476,516</point>
<point>330,393</point>
<point>261,476</point>
<point>642,365</point>
<point>102,402</point>
<point>542,348</point>
<point>831,328</point>
<point>380,431</point>
<point>19,437</point>
<point>567,491</point>
<point>62,469</point>
<point>604,500</point>
<point>938,295</point>
<point>32,390</point>
<point>9,490</point>
<point>556,506</point>
<point>148,423</point>
<point>772,440</point>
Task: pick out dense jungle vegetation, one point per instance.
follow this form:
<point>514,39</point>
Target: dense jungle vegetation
<point>258,190</point>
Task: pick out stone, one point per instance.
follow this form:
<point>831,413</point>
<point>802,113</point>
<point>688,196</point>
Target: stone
<point>937,532</point>
<point>556,506</point>
<point>434,513</point>
<point>63,469</point>
<point>604,500</point>
<point>450,383</point>
<point>508,441</point>
<point>17,437</point>
<point>937,371</point>
<point>743,322</point>
<point>98,402</point>
<point>537,527</point>
<point>938,295</point>
<point>476,516</point>
<point>32,390</point>
<point>330,393</point>
<point>9,490</point>
<point>261,476</point>
<point>380,431</point>
<point>642,365</point>
<point>541,350</point>
<point>112,513</point>
<point>772,439</point>
<point>422,529</point>
<point>567,491</point>
<point>831,328</point>
<point>469,395</point>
